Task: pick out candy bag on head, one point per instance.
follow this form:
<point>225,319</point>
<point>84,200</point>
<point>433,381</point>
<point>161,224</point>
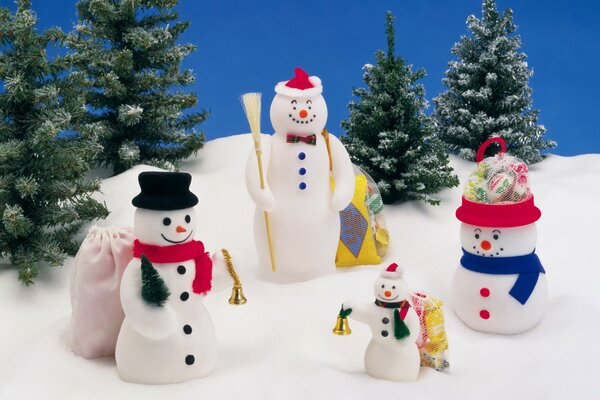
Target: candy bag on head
<point>97,314</point>
<point>501,179</point>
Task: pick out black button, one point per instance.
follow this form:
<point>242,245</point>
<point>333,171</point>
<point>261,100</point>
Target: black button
<point>184,296</point>
<point>384,333</point>
<point>181,270</point>
<point>385,320</point>
<point>189,359</point>
<point>187,329</point>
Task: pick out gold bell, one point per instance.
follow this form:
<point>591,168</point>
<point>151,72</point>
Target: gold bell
<point>237,296</point>
<point>341,327</point>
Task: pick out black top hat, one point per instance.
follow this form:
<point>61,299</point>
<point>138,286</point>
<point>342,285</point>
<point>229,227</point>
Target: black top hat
<point>165,191</point>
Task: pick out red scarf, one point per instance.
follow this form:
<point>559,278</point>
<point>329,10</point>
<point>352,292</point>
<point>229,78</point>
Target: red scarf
<point>178,253</point>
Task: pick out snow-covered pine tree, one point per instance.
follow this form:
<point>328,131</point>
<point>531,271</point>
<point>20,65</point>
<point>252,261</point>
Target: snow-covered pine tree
<point>128,50</point>
<point>44,198</point>
<point>389,135</point>
<point>488,92</point>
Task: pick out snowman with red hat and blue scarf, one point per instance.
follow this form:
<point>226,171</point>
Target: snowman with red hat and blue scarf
<point>500,286</point>
<point>392,353</point>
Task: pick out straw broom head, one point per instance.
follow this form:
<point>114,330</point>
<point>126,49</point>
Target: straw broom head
<point>251,104</point>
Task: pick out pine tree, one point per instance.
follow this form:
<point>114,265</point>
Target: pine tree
<point>128,50</point>
<point>154,289</point>
<point>44,199</point>
<point>488,92</point>
<point>389,135</point>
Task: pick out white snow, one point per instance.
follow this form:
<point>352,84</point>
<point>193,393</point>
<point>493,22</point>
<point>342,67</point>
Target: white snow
<point>280,344</point>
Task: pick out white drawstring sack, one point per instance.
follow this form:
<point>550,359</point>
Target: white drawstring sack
<point>97,314</point>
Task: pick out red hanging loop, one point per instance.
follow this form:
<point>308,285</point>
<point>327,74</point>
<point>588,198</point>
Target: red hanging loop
<point>484,146</point>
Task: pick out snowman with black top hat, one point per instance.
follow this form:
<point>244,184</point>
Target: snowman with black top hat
<point>167,335</point>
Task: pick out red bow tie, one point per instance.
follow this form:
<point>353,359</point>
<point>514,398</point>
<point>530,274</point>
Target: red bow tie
<point>310,139</point>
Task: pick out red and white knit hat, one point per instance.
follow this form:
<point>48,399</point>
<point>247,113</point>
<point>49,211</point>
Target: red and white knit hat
<point>301,85</point>
<point>394,271</point>
<point>497,193</point>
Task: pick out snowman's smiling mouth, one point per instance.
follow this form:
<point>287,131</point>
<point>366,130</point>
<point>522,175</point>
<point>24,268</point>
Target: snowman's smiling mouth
<point>388,300</point>
<point>174,241</point>
<point>299,121</point>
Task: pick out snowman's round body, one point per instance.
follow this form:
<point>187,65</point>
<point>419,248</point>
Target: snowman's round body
<point>174,342</point>
<point>303,207</point>
<point>485,301</point>
<point>390,357</point>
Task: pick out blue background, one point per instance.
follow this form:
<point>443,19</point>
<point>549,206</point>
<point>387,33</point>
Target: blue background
<point>251,45</point>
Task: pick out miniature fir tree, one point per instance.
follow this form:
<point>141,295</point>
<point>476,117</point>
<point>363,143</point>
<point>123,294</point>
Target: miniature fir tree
<point>154,289</point>
<point>44,199</point>
<point>128,50</point>
<point>488,92</point>
<point>388,134</point>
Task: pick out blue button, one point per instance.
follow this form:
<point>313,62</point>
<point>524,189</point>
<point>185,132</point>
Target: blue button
<point>301,155</point>
<point>302,171</point>
<point>302,185</point>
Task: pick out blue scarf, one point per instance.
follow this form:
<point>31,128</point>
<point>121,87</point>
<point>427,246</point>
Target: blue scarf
<point>528,267</point>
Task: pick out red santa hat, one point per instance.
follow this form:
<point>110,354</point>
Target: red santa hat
<point>394,271</point>
<point>301,85</point>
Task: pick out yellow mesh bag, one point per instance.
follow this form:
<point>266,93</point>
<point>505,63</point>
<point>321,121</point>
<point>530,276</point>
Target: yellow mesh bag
<point>432,342</point>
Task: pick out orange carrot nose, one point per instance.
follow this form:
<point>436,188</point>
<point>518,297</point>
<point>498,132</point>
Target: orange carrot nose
<point>387,293</point>
<point>486,245</point>
<point>180,229</point>
<point>303,113</point>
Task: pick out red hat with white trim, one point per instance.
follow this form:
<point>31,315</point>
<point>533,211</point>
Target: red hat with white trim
<point>497,193</point>
<point>394,271</point>
<point>301,85</point>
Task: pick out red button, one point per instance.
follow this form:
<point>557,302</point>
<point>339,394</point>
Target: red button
<point>484,292</point>
<point>485,314</point>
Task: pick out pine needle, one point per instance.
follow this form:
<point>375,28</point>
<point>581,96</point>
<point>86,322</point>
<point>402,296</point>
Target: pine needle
<point>251,105</point>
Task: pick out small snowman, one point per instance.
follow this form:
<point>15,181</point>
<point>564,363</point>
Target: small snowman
<point>392,353</point>
<point>167,335</point>
<point>500,286</point>
<point>303,204</point>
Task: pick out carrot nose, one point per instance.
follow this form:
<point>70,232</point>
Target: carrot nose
<point>486,245</point>
<point>180,229</point>
<point>303,113</point>
<point>387,293</point>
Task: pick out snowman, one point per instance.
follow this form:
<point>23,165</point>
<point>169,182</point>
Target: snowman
<point>392,353</point>
<point>303,204</point>
<point>167,335</point>
<point>500,286</point>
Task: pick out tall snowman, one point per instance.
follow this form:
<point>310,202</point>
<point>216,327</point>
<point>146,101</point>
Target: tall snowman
<point>303,204</point>
<point>167,335</point>
<point>500,286</point>
<point>392,353</point>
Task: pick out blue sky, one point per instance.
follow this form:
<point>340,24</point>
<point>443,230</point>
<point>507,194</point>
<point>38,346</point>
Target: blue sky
<point>251,45</point>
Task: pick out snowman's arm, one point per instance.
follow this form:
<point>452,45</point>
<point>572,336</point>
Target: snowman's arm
<point>343,175</point>
<point>360,312</point>
<point>263,198</point>
<point>221,277</point>
<point>150,321</point>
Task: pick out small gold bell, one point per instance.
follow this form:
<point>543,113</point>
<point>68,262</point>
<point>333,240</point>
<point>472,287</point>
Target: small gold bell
<point>341,327</point>
<point>237,296</point>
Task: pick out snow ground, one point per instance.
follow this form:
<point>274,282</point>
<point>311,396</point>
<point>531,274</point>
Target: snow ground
<point>280,344</point>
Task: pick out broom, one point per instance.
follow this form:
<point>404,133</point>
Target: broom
<point>251,105</point>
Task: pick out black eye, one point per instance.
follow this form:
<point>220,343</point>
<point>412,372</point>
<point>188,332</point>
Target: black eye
<point>496,237</point>
<point>188,219</point>
<point>382,286</point>
<point>294,108</point>
<point>167,221</point>
<point>477,236</point>
<point>310,108</point>
<point>393,287</point>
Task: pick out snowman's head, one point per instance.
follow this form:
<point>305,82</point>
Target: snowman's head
<point>498,242</point>
<point>298,107</point>
<point>164,228</point>
<point>390,286</point>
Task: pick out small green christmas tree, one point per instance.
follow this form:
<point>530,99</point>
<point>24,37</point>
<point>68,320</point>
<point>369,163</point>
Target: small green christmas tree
<point>388,134</point>
<point>488,92</point>
<point>128,50</point>
<point>44,198</point>
<point>154,290</point>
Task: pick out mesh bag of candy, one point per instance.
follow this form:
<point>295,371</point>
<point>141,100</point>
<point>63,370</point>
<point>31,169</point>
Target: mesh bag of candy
<point>374,203</point>
<point>499,179</point>
<point>432,341</point>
